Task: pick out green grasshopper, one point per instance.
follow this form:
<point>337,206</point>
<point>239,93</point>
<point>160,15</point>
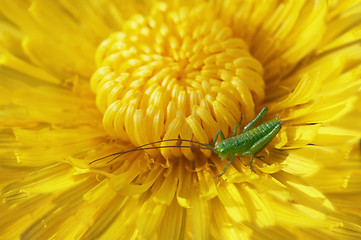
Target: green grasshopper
<point>251,141</point>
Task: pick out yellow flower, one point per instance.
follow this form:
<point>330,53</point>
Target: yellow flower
<point>80,80</point>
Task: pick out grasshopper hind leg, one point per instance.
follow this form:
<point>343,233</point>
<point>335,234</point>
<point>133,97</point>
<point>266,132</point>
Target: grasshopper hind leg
<point>250,162</point>
<point>261,144</point>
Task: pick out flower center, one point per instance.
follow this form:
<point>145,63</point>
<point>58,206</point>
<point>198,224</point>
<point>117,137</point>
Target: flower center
<point>175,74</point>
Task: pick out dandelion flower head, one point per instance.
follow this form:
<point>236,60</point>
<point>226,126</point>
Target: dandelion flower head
<point>81,80</point>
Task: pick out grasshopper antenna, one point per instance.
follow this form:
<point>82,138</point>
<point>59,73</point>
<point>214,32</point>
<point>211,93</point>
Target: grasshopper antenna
<point>144,147</point>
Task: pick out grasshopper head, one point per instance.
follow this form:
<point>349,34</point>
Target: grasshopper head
<point>220,150</point>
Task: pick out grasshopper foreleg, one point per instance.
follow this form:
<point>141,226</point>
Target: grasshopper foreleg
<point>225,169</point>
<point>220,133</point>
